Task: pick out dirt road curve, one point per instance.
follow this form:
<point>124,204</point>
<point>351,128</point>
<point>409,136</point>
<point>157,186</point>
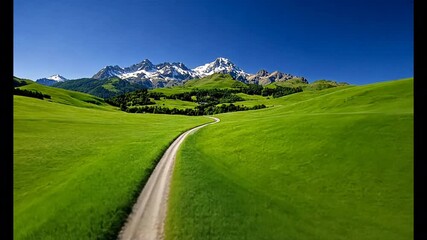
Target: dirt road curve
<point>149,213</point>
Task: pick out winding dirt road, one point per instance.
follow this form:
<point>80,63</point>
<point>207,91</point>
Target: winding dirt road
<point>149,213</point>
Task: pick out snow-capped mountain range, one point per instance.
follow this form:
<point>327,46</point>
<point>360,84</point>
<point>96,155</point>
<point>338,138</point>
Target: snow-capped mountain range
<point>170,74</point>
<point>51,80</point>
<point>149,74</point>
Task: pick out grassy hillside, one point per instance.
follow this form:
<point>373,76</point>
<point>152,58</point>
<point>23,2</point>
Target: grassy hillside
<point>216,80</point>
<point>251,100</point>
<point>295,82</point>
<point>174,103</point>
<point>77,170</point>
<point>330,164</point>
<point>316,85</point>
<point>67,97</point>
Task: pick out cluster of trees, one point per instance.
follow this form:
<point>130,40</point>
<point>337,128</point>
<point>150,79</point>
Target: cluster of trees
<point>223,108</point>
<point>156,95</point>
<point>29,93</point>
<point>278,91</point>
<point>252,89</point>
<point>138,97</point>
<point>197,111</point>
<point>18,83</point>
<point>208,96</point>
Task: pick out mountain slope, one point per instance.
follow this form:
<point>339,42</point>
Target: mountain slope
<point>221,65</point>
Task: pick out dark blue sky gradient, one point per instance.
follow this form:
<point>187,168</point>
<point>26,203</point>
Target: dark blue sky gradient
<point>357,41</point>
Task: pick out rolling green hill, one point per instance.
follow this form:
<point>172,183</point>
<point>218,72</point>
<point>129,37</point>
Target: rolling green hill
<point>316,85</point>
<point>334,163</point>
<point>329,164</point>
<point>289,83</point>
<point>217,80</point>
<point>77,167</point>
<point>67,97</point>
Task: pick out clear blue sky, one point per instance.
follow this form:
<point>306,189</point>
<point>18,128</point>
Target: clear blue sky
<point>356,41</point>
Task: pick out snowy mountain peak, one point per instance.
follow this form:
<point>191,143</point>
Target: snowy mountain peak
<point>109,71</point>
<point>145,64</point>
<point>223,60</point>
<point>57,78</point>
<point>51,80</point>
<point>221,65</point>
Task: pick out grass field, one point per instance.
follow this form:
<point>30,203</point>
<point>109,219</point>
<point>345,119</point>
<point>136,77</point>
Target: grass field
<point>79,166</point>
<point>331,164</point>
<point>171,90</point>
<point>174,103</point>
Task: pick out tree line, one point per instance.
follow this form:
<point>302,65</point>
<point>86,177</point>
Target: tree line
<point>278,91</point>
<point>197,111</point>
<point>208,100</point>
<point>208,96</point>
<point>29,93</point>
<point>138,97</point>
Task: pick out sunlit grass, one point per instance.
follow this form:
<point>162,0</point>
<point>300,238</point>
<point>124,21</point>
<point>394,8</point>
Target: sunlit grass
<point>78,170</point>
<point>331,164</point>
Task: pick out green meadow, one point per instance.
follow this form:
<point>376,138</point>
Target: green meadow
<point>333,163</point>
<point>329,164</point>
<point>174,103</point>
<point>79,164</point>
